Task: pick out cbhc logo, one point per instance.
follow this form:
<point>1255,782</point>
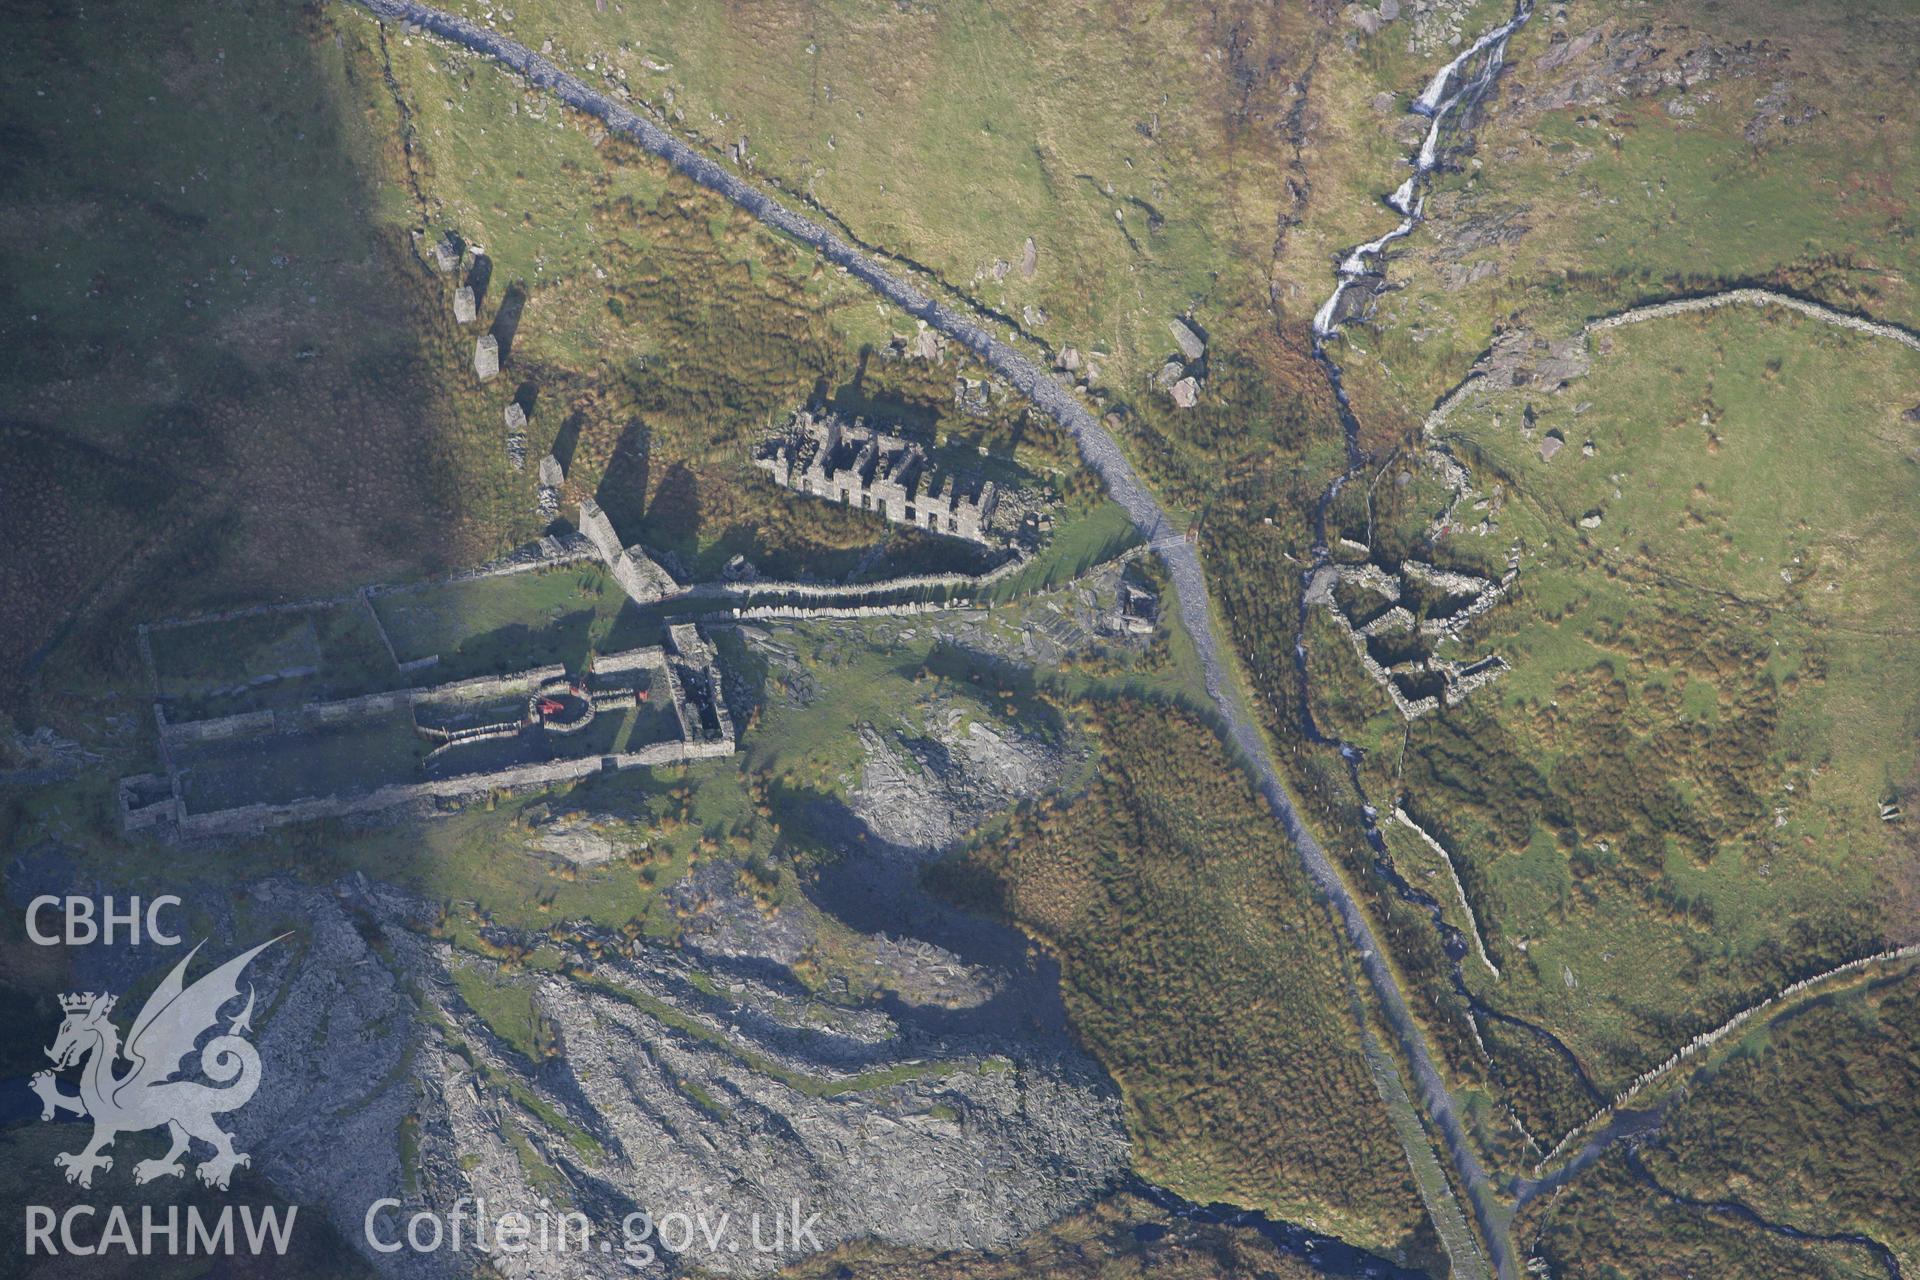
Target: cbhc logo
<point>87,922</point>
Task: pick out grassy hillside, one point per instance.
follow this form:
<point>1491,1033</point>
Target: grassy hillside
<point>224,373</point>
<point>1631,155</point>
<point>658,332</point>
<point>1670,805</point>
<point>1139,148</point>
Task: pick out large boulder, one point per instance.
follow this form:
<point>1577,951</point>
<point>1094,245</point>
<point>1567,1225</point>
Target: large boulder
<point>1190,343</point>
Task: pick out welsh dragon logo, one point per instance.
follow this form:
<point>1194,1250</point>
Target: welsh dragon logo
<point>146,1095</point>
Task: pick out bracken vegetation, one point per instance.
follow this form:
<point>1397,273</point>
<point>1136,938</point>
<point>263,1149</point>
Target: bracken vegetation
<point>1199,969</point>
<point>1610,1224</point>
<point>1811,1123</point>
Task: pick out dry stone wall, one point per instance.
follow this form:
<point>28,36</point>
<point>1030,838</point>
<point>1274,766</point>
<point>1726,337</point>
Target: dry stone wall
<point>1707,1039</point>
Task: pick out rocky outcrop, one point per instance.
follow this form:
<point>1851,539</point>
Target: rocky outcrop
<point>658,1087</point>
<point>1617,59</point>
<point>926,792</point>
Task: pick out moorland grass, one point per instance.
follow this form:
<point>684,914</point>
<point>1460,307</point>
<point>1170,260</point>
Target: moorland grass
<point>1670,805</point>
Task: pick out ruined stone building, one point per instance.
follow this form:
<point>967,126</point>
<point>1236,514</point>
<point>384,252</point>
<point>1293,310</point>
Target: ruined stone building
<point>869,469</point>
<point>637,574</point>
<point>693,681</point>
<point>527,729</point>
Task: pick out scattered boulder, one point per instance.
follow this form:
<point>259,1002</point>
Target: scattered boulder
<point>1389,10</point>
<point>1551,446</point>
<point>486,357</point>
<point>1384,103</point>
<point>464,309</point>
<point>1590,520</point>
<point>1068,359</point>
<point>1033,317</point>
<point>446,253</point>
<point>547,501</point>
<point>1456,276</point>
<point>1186,393</point>
<point>1170,372</point>
<point>1029,258</point>
<point>1191,345</point>
<point>516,416</point>
<point>1780,109</point>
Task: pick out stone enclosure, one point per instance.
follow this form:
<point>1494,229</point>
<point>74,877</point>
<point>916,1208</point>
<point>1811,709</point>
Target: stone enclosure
<point>529,729</point>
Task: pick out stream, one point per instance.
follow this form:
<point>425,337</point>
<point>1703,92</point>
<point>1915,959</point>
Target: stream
<point>1742,1213</point>
<point>1453,91</point>
<point>1327,1254</point>
<point>1443,99</point>
<point>1448,99</point>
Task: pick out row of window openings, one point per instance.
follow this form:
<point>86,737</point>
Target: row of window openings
<point>867,503</point>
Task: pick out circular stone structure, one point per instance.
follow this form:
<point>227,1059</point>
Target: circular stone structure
<point>558,707</point>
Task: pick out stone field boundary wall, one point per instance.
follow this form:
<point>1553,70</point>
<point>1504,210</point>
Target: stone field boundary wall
<point>645,582</point>
<point>548,552</point>
<point>346,710</point>
<point>651,658</point>
<point>1706,1040</point>
<point>249,819</point>
<point>911,608</point>
<point>745,591</point>
<point>1761,298</point>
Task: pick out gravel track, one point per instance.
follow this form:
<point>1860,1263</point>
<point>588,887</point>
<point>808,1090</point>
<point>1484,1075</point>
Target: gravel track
<point>1100,452</point>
